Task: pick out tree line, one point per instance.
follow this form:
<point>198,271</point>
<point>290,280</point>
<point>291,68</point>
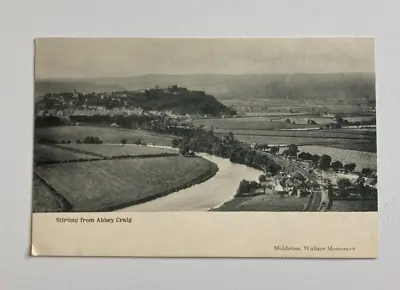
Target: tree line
<point>228,147</point>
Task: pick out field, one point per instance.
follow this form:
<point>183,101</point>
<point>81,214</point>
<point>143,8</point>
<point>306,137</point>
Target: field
<point>361,159</point>
<point>107,135</point>
<point>356,205</point>
<point>273,130</point>
<point>43,153</point>
<point>43,200</point>
<point>333,134</point>
<point>248,123</point>
<point>366,145</point>
<point>267,202</point>
<point>107,185</point>
<point>120,150</point>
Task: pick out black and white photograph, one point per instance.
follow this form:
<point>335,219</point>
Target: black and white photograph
<point>204,124</point>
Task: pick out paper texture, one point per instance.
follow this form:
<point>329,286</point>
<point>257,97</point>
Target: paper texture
<point>205,148</point>
<point>194,234</point>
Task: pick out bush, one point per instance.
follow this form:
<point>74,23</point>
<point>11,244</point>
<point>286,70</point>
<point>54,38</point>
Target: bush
<point>138,142</point>
<point>78,142</point>
<point>92,140</point>
<point>262,178</point>
<point>46,141</point>
<point>246,187</point>
<point>124,141</point>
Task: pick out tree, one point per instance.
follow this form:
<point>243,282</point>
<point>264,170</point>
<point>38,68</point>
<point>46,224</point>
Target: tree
<point>343,185</point>
<point>244,186</point>
<point>262,178</point>
<point>337,165</point>
<point>301,155</point>
<point>292,148</point>
<point>231,137</point>
<point>184,149</point>
<point>288,120</point>
<point>315,159</point>
<point>350,167</point>
<point>274,169</point>
<point>193,145</point>
<point>324,162</point>
<point>138,142</point>
<point>274,149</point>
<point>124,141</point>
<point>339,119</point>
<point>175,143</point>
<point>366,171</point>
<point>307,156</point>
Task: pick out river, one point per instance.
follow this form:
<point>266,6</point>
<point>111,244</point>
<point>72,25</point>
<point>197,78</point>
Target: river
<point>206,195</point>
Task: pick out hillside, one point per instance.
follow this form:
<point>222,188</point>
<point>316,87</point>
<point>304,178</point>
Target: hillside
<point>291,86</point>
<point>176,99</point>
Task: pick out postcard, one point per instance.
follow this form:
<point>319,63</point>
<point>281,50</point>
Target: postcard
<point>205,147</point>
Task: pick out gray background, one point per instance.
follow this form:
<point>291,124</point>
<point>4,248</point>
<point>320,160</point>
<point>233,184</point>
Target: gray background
<point>21,21</point>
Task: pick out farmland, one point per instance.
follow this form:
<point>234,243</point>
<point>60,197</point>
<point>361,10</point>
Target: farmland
<point>314,134</point>
<point>248,123</point>
<point>107,185</point>
<point>106,134</point>
<point>110,150</point>
<point>366,145</point>
<point>43,153</point>
<point>274,130</point>
<point>361,159</point>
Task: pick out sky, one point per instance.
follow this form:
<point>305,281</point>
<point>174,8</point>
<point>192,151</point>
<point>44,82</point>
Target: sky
<point>59,58</point>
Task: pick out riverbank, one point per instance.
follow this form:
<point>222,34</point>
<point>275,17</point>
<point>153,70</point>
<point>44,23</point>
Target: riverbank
<point>203,196</point>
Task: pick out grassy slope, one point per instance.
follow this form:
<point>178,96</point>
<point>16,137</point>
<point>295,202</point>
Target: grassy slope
<point>106,185</point>
<point>268,202</point>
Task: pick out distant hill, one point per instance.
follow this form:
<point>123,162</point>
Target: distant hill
<point>291,86</point>
<point>176,99</point>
